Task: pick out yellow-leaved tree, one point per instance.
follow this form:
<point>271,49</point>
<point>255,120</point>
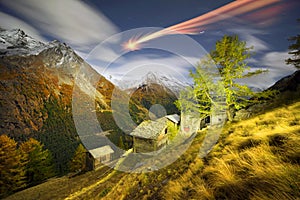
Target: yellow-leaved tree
<point>12,174</point>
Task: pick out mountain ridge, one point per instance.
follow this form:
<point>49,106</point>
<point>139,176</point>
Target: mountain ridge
<point>38,83</point>
<point>153,77</point>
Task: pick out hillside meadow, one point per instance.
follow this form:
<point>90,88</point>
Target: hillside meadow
<point>255,158</point>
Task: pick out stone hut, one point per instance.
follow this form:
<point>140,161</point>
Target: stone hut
<point>150,136</point>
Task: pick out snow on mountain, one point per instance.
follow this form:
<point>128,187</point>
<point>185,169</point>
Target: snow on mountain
<point>167,81</point>
<point>54,54</point>
<point>57,57</point>
<point>16,42</point>
<point>65,54</point>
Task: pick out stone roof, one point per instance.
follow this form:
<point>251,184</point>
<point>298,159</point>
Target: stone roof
<point>174,118</point>
<point>101,151</point>
<point>150,129</point>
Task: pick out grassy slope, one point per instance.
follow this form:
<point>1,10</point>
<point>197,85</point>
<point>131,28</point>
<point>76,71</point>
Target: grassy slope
<point>255,159</point>
<point>258,158</point>
<point>63,187</point>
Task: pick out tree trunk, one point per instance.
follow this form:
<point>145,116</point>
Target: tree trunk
<point>229,115</point>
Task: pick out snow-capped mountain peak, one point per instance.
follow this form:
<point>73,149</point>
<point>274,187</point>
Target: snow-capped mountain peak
<point>168,81</point>
<point>16,42</point>
<point>57,58</point>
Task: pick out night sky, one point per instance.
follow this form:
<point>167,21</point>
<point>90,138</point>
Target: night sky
<point>85,24</point>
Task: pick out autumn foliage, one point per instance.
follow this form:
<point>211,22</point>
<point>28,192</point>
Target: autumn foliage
<point>24,165</point>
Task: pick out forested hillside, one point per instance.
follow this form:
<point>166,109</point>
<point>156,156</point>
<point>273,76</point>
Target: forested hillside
<point>37,82</point>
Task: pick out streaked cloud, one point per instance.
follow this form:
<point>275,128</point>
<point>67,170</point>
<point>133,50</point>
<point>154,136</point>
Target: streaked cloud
<point>276,60</point>
<point>250,35</point>
<point>265,58</point>
<point>275,63</point>
<point>9,22</point>
<point>73,22</point>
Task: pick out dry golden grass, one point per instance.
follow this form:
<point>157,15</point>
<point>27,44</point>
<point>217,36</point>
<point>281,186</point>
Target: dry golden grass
<point>61,188</point>
<point>257,158</point>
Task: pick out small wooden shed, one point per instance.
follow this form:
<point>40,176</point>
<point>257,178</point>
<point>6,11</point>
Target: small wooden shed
<point>99,155</point>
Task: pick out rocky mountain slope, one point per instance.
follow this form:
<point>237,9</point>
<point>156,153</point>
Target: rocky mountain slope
<point>37,82</point>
